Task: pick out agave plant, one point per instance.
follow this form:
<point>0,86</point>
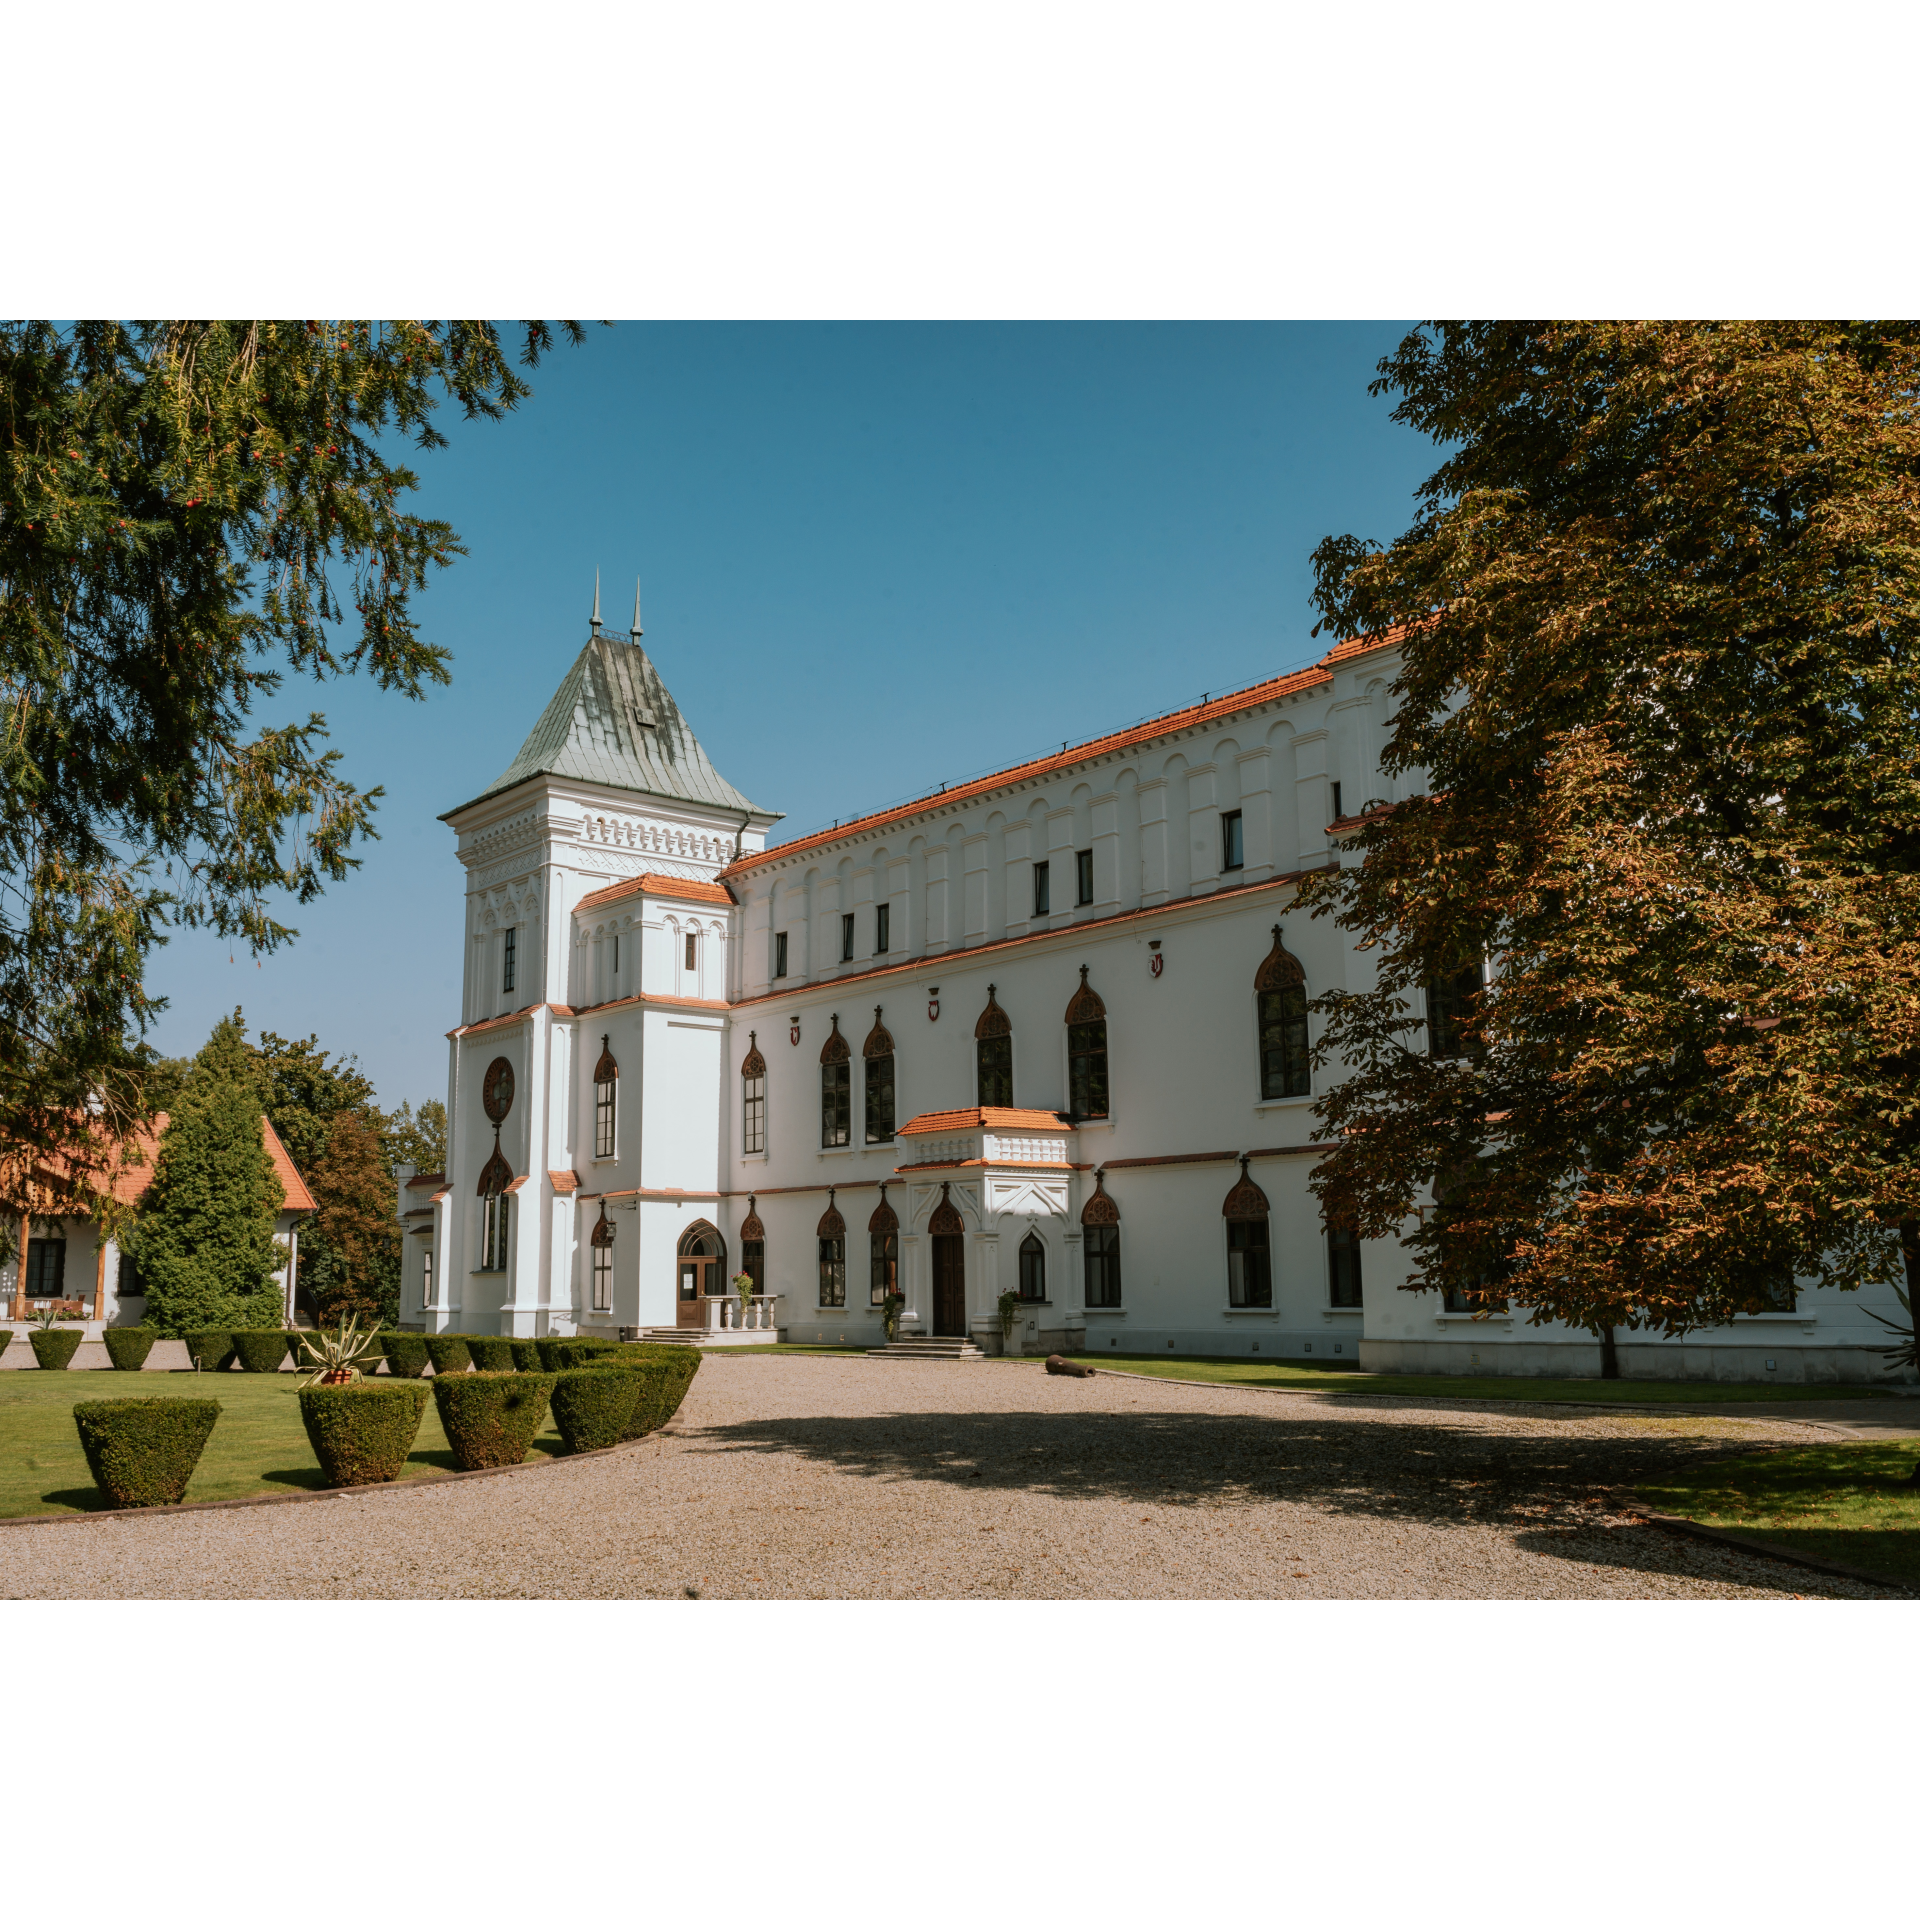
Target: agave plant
<point>337,1356</point>
<point>54,1311</point>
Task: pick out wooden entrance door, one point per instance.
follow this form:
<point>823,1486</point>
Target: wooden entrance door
<point>700,1270</point>
<point>949,1287</point>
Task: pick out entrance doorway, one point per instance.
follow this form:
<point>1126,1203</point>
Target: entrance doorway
<point>702,1273</point>
<point>949,1287</point>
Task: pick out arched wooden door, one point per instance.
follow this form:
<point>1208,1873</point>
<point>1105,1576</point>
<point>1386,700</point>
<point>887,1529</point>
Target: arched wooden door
<point>702,1272</point>
<point>947,1230</point>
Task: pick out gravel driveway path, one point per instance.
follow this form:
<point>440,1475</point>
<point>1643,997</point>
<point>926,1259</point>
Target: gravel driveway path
<point>820,1478</point>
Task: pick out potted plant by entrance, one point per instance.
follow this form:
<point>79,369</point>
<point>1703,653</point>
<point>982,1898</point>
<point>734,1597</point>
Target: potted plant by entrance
<point>743,1286</point>
<point>892,1306</point>
<point>1009,1306</point>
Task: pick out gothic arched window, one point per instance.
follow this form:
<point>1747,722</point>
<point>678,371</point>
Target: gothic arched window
<point>1249,1258</point>
<point>606,1087</point>
<point>831,1234</point>
<point>601,1241</point>
<point>883,1252</point>
<point>1033,1268</point>
<point>836,1089</point>
<point>496,1211</point>
<point>753,1246</point>
<point>1280,990</point>
<point>753,1098</point>
<point>1087,1053</point>
<point>993,1046</point>
<point>878,1054</point>
<point>1100,1243</point>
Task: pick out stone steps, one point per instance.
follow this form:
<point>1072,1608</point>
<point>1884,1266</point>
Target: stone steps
<point>927,1349</point>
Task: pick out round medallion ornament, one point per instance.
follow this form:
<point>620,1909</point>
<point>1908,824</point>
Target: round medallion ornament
<point>496,1090</point>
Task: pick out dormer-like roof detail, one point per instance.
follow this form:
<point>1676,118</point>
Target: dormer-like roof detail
<point>613,723</point>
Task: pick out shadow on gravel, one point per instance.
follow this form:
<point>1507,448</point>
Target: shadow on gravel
<point>1546,1491</point>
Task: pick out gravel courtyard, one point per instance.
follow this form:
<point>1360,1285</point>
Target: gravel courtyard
<point>822,1478</point>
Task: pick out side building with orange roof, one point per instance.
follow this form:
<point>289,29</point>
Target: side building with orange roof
<point>1037,1038</point>
<point>62,1256</point>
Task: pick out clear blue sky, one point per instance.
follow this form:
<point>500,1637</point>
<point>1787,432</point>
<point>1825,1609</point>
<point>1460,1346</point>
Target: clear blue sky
<point>874,557</point>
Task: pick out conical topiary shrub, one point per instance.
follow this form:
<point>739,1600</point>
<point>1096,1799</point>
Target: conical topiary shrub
<point>665,1373</point>
<point>54,1347</point>
<point>593,1406</point>
<point>492,1352</point>
<point>526,1356</point>
<point>260,1349</point>
<point>363,1434</point>
<point>6,1338</point>
<point>448,1352</point>
<point>490,1418</point>
<point>143,1452</point>
<point>211,1349</point>
<point>128,1347</point>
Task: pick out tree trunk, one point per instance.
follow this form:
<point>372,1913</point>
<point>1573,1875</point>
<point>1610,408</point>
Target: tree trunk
<point>1609,1356</point>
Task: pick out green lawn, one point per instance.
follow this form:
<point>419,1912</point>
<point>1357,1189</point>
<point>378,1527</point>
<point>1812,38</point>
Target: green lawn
<point>258,1445</point>
<point>1840,1503</point>
<point>1349,1379</point>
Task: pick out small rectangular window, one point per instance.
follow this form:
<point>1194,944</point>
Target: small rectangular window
<point>836,1098</point>
<point>846,938</point>
<point>753,1137</point>
<point>46,1267</point>
<point>1339,813</point>
<point>1042,890</point>
<point>616,953</point>
<point>753,1263</point>
<point>779,956</point>
<point>1232,851</point>
<point>130,1285</point>
<point>882,918</point>
<point>603,1094</point>
<point>603,1279</point>
<point>883,1271</point>
<point>507,962</point>
<point>1249,1271</point>
<point>880,1100</point>
<point>1343,1267</point>
<point>1083,873</point>
<point>426,1278</point>
<point>693,951</point>
<point>1102,1248</point>
<point>833,1272</point>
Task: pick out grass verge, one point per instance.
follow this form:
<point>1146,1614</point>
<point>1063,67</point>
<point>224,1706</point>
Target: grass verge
<point>1841,1503</point>
<point>257,1446</point>
<point>1336,1379</point>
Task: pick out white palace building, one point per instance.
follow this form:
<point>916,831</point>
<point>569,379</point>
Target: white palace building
<point>1042,1031</point>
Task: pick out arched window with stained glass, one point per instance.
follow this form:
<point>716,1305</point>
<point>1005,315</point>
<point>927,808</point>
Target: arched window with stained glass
<point>1280,994</point>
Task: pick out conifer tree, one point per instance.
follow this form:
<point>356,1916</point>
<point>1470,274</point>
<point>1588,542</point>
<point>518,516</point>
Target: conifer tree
<point>205,1234</point>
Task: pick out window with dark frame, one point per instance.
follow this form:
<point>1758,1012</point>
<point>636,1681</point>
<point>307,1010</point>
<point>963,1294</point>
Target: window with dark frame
<point>46,1267</point>
<point>1232,847</point>
<point>883,1276</point>
<point>836,1090</point>
<point>1100,1248</point>
<point>603,1277</point>
<point>1083,876</point>
<point>1249,1266</point>
<point>1033,1268</point>
<point>496,1214</point>
<point>693,951</point>
<point>507,960</point>
<point>833,1270</point>
<point>880,1100</point>
<point>606,1084</point>
<point>1339,813</point>
<point>1450,999</point>
<point>1485,1292</point>
<point>1087,1053</point>
<point>616,955</point>
<point>753,1263</point>
<point>1042,889</point>
<point>426,1277</point>
<point>779,956</point>
<point>846,938</point>
<point>131,1283</point>
<point>996,1070</point>
<point>1280,1001</point>
<point>753,1113</point>
<point>882,919</point>
<point>1343,1267</point>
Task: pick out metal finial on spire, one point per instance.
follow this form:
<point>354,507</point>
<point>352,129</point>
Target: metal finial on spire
<point>596,603</point>
<point>635,629</point>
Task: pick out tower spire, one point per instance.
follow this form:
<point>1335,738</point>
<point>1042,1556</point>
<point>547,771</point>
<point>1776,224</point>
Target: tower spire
<point>635,629</point>
<point>596,603</point>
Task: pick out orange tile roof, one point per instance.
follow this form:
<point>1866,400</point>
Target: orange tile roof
<point>563,1181</point>
<point>425,1180</point>
<point>1004,1119</point>
<point>299,1200</point>
<point>643,999</point>
<point>512,1019</point>
<point>129,1183</point>
<point>1201,714</point>
<point>669,886</point>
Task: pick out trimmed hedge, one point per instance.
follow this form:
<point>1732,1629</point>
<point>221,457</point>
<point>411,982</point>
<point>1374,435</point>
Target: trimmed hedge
<point>526,1356</point>
<point>666,1372</point>
<point>553,1352</point>
<point>491,1353</point>
<point>54,1347</point>
<point>6,1338</point>
<point>363,1434</point>
<point>448,1352</point>
<point>260,1349</point>
<point>143,1452</point>
<point>210,1350</point>
<point>593,1406</point>
<point>128,1347</point>
<point>406,1354</point>
<point>572,1350</point>
<point>491,1418</point>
